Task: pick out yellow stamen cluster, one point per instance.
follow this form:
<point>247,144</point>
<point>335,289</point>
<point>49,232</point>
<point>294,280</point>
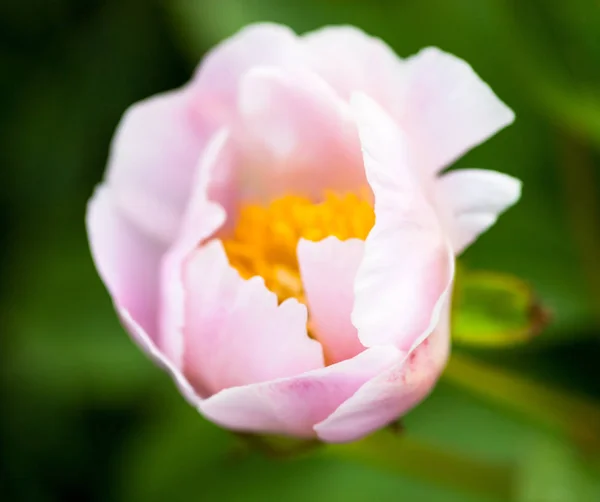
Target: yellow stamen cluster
<point>265,238</point>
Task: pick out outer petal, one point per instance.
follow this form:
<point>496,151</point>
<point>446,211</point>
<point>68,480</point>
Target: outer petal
<point>443,106</point>
<point>471,200</point>
<point>152,161</point>
<point>126,258</point>
<point>128,262</point>
<point>235,333</point>
<point>212,197</point>
<point>218,76</point>
<point>448,109</point>
<point>408,266</point>
<point>392,393</point>
<point>328,271</point>
<point>294,405</point>
<point>299,135</point>
<point>158,143</point>
<point>350,60</point>
<point>142,339</point>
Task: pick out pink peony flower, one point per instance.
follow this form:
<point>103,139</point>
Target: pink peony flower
<point>277,234</point>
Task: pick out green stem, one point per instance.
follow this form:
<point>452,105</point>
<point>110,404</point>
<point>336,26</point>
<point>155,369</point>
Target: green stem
<point>406,456</point>
<point>401,454</point>
<point>580,184</point>
<point>569,414</point>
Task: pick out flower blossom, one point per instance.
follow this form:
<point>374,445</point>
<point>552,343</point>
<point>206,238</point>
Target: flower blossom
<point>278,233</point>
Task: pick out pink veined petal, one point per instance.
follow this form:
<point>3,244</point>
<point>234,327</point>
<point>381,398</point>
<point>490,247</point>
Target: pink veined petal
<point>234,332</point>
<point>294,405</point>
<point>218,77</point>
<point>472,199</point>
<point>448,109</point>
<point>298,135</point>
<point>153,158</point>
<point>408,266</point>
<point>212,196</point>
<point>393,392</point>
<point>328,269</point>
<point>350,60</point>
<point>126,258</point>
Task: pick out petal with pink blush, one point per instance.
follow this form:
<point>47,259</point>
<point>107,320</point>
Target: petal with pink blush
<point>126,258</point>
<point>294,405</point>
<point>472,199</point>
<point>328,269</point>
<point>218,76</point>
<point>141,338</point>
<point>350,60</point>
<point>298,134</point>
<point>437,98</point>
<point>235,333</point>
<point>448,109</point>
<point>212,196</point>
<point>392,393</point>
<point>157,145</point>
<point>408,266</point>
<point>152,161</point>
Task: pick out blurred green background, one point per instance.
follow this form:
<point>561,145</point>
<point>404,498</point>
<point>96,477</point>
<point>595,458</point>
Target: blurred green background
<point>83,414</point>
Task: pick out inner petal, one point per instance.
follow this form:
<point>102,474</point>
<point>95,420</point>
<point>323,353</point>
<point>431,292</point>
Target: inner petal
<point>265,239</point>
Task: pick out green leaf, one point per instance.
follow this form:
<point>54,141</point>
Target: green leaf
<point>570,414</point>
<point>494,310</point>
<point>68,345</point>
<point>552,470</point>
<point>182,457</point>
<point>407,456</point>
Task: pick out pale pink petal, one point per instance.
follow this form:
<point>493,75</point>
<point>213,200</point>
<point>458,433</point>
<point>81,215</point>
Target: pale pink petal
<point>213,191</point>
<point>408,265</point>
<point>126,259</point>
<point>472,199</point>
<point>328,270</point>
<point>298,135</point>
<point>153,158</point>
<point>448,109</point>
<point>217,77</point>
<point>443,106</point>
<point>350,60</point>
<point>294,405</point>
<point>212,196</point>
<point>393,392</point>
<point>235,333</point>
<point>141,338</point>
<point>157,145</point>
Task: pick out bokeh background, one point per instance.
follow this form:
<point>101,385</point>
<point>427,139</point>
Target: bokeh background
<point>84,416</point>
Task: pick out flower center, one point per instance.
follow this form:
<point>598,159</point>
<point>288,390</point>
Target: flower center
<point>265,238</point>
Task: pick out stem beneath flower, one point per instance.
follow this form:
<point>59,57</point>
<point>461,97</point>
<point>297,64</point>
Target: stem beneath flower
<point>571,415</point>
<point>408,457</point>
<point>278,447</point>
<point>580,182</point>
